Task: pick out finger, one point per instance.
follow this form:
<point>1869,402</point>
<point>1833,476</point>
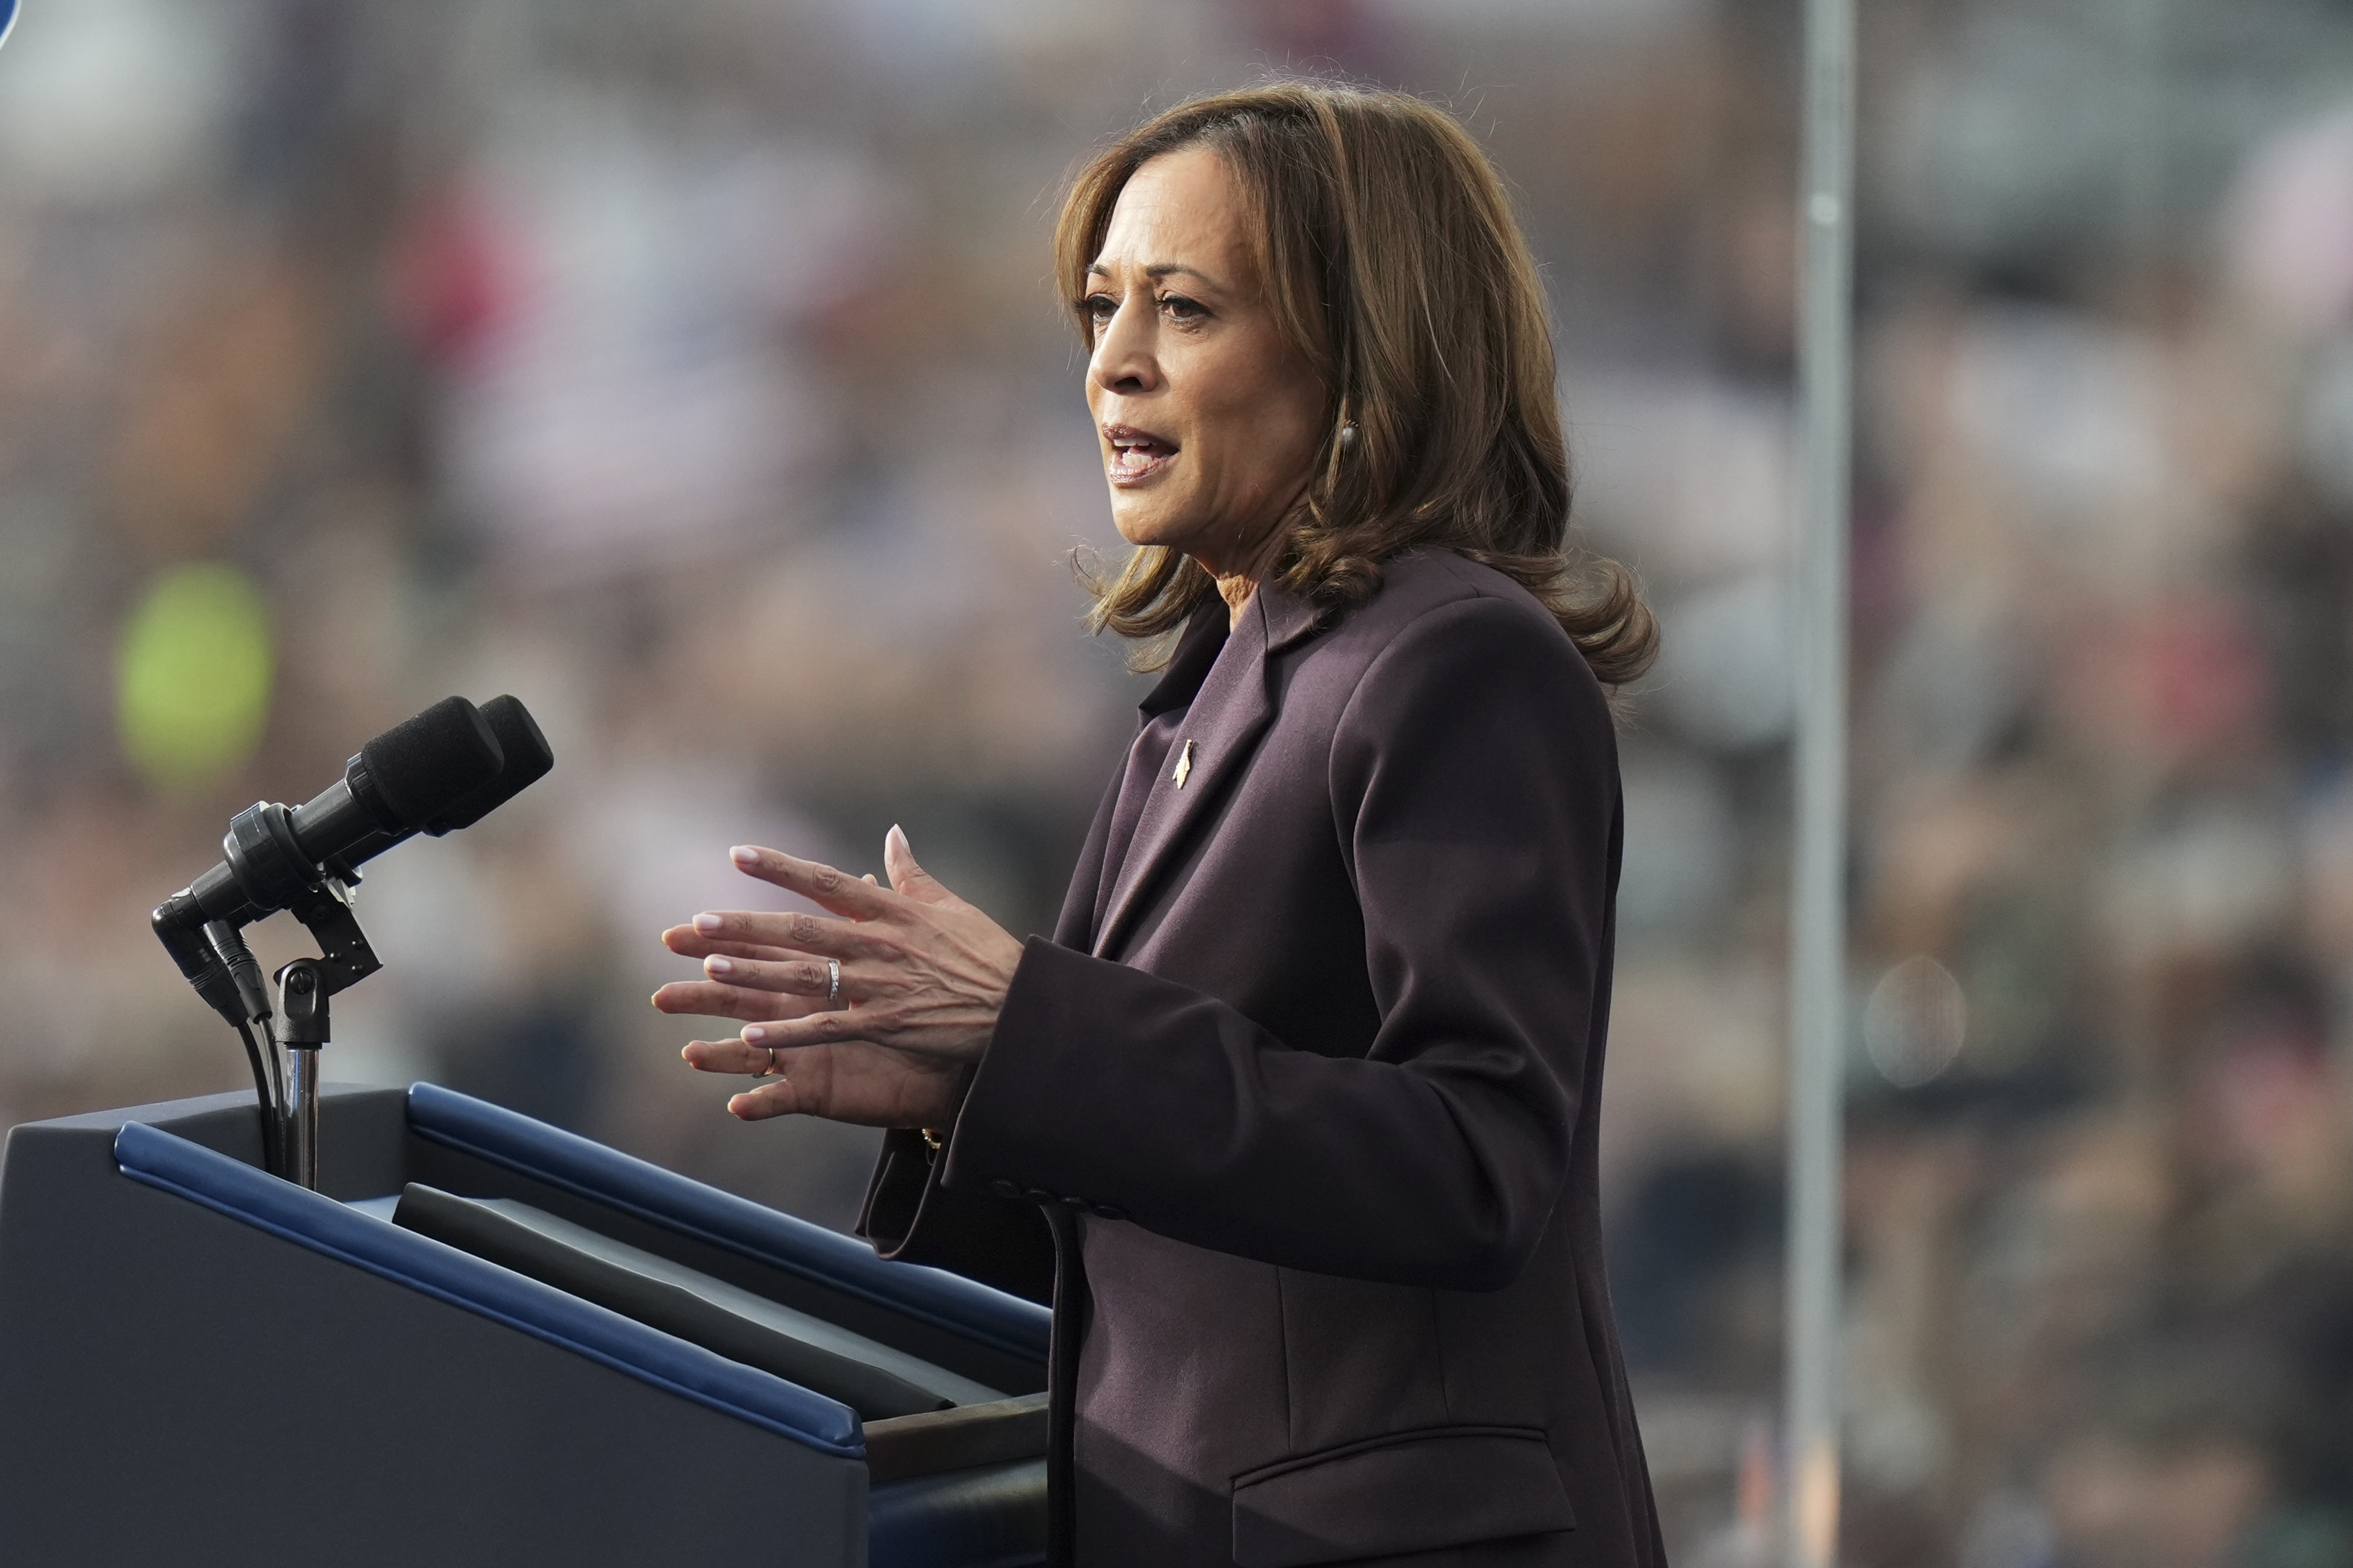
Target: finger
<point>820,884</point>
<point>688,942</point>
<point>906,876</point>
<point>881,1027</point>
<point>782,1098</point>
<point>798,977</point>
<point>795,934</point>
<point>826,1027</point>
<point>855,1081</point>
<point>710,999</point>
<point>805,1085</point>
<point>728,1055</point>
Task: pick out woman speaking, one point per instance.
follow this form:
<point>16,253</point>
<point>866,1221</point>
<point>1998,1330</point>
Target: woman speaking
<point>1295,1115</point>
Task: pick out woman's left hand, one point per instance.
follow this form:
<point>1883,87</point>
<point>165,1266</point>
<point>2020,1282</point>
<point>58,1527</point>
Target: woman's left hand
<point>923,972</point>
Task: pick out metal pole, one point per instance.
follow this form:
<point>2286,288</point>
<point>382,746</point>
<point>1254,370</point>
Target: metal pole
<point>302,996</point>
<point>300,1141</point>
<point>1810,1500</point>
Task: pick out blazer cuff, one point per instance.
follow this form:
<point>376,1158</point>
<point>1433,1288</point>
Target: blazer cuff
<point>1024,1118</point>
<point>911,1217</point>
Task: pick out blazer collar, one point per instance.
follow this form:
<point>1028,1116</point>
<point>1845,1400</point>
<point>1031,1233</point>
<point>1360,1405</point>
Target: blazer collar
<point>1197,650</point>
<point>1288,618</point>
<point>1229,691</point>
<point>1285,618</point>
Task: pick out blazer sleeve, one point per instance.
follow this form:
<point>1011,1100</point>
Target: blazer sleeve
<point>910,1217</point>
<point>1474,793</point>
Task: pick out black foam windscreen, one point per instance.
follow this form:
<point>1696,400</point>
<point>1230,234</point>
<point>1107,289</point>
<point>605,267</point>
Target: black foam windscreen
<point>418,769</point>
<point>528,758</point>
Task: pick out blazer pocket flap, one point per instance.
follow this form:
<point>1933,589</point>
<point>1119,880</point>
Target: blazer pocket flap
<point>1418,1491</point>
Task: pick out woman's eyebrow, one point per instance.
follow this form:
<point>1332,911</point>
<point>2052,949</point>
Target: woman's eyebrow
<point>1157,270</point>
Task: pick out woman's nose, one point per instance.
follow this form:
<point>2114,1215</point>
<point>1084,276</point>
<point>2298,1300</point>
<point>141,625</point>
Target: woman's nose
<point>1123,361</point>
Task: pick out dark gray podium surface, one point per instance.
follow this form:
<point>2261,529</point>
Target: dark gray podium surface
<point>200,1365</point>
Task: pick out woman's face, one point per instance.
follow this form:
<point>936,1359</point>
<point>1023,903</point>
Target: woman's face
<point>1209,418</point>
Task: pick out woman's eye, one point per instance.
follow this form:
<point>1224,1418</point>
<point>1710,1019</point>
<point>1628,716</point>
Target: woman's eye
<point>1180,309</point>
<point>1099,307</point>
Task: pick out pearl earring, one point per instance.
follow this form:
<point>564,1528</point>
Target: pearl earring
<point>1347,435</point>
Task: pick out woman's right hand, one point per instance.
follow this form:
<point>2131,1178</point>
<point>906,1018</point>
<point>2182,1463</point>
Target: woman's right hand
<point>842,1080</point>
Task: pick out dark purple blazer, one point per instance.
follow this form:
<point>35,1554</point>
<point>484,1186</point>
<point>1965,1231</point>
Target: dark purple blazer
<point>1305,1088</point>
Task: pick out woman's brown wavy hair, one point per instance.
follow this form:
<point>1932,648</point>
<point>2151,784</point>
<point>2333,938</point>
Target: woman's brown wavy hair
<point>1394,263</point>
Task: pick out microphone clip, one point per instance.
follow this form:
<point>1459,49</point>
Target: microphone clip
<point>303,992</point>
<point>272,871</point>
<point>344,956</point>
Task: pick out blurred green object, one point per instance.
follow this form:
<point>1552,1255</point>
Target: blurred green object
<point>193,675</point>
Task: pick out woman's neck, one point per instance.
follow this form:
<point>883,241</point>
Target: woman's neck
<point>1235,592</point>
<point>1236,584</point>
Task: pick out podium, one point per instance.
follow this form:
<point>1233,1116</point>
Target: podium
<point>201,1364</point>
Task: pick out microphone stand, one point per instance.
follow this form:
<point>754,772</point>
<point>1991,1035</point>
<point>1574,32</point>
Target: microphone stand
<point>212,955</point>
<point>302,994</point>
<point>303,988</point>
<point>265,868</point>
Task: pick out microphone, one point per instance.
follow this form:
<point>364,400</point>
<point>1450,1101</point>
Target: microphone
<point>272,858</point>
<point>445,769</point>
<point>400,780</point>
<point>527,761</point>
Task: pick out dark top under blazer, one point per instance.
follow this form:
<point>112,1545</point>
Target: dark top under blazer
<point>1307,1084</point>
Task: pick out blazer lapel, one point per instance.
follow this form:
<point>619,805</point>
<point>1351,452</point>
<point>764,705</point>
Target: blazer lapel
<point>1228,714</point>
<point>1075,926</point>
<point>1114,833</point>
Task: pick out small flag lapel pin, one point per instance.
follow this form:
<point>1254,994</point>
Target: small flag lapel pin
<point>1184,765</point>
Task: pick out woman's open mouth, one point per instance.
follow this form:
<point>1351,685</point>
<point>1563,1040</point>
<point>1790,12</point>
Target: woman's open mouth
<point>1136,455</point>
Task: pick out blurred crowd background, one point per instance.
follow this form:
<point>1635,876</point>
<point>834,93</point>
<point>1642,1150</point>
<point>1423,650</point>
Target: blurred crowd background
<point>690,370</point>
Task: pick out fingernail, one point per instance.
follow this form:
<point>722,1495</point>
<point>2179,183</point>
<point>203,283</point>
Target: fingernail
<point>744,855</point>
<point>708,923</point>
<point>715,964</point>
<point>754,1034</point>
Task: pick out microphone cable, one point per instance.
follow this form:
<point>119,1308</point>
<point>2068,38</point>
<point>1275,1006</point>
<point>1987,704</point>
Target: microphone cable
<point>253,1001</point>
<point>263,1091</point>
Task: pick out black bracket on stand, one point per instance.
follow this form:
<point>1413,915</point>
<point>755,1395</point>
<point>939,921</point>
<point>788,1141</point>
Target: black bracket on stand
<point>302,996</point>
<point>303,988</point>
<point>344,956</point>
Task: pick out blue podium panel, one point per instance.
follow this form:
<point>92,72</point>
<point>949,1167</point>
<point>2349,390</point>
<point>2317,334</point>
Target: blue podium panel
<point>200,1363</point>
<point>465,1145</point>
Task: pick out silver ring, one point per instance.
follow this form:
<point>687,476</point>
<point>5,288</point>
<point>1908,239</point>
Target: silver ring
<point>832,981</point>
